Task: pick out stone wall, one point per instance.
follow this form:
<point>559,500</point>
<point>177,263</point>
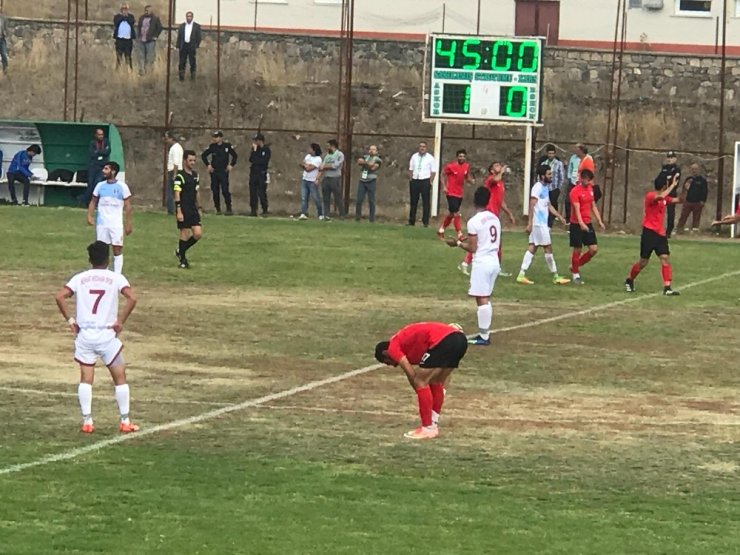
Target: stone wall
<point>289,83</point>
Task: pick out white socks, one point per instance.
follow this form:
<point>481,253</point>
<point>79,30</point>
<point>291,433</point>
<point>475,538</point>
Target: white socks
<point>118,264</point>
<point>527,261</point>
<point>122,398</point>
<point>485,316</point>
<point>435,418</point>
<point>84,393</point>
<point>550,259</point>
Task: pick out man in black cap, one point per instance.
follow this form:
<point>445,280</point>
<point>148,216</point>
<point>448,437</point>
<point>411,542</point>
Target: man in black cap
<point>260,159</point>
<point>669,170</point>
<point>220,157</point>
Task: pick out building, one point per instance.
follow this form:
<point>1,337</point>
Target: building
<point>688,26</point>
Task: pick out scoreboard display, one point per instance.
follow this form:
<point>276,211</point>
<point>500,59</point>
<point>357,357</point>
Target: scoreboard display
<point>476,78</point>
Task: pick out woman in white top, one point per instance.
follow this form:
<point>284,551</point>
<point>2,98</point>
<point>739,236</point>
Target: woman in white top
<point>311,164</point>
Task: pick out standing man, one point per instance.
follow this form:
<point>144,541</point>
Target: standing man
<point>98,154</point>
<point>112,198</point>
<point>96,326</point>
<point>20,170</point>
<point>150,27</point>
<point>370,163</point>
<point>331,182</point>
<point>454,175</point>
<point>187,207</point>
<point>665,177</point>
<point>259,160</point>
<point>587,163</point>
<point>124,35</point>
<point>4,41</point>
<point>220,157</point>
<point>696,191</point>
<point>422,169</point>
<point>538,227</point>
<point>188,42</point>
<point>437,349</point>
<point>558,178</point>
<point>310,165</point>
<point>654,237</point>
<point>573,164</point>
<point>174,165</point>
<point>484,236</point>
<point>582,232</point>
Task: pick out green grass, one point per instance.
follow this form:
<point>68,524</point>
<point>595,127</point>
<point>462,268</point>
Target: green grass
<point>610,432</point>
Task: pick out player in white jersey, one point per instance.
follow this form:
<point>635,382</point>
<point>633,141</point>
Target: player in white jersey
<point>112,198</point>
<point>96,326</point>
<point>484,241</point>
<point>539,232</point>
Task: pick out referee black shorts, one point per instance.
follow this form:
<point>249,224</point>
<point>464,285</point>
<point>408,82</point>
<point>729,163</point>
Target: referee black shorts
<point>190,219</point>
<point>652,242</point>
<point>447,353</point>
<point>579,238</point>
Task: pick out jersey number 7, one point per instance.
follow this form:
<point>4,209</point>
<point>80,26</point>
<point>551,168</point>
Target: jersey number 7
<point>99,293</point>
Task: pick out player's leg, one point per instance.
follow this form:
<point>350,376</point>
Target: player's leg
<point>553,267</point>
<point>84,395</point>
<point>482,281</point>
<point>527,261</point>
<point>117,368</point>
<point>591,242</point>
<point>647,246</point>
<point>447,355</point>
<point>575,238</point>
<point>118,257</point>
<point>662,250</point>
<point>448,218</point>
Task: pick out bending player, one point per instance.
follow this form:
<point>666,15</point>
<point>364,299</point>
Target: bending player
<point>581,229</point>
<point>437,349</point>
<point>454,176</point>
<point>96,326</point>
<point>654,236</point>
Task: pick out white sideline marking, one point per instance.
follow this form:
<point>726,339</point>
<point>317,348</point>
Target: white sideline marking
<point>74,453</point>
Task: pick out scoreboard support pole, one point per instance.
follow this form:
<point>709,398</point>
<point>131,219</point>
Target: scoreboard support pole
<point>437,158</point>
<point>527,170</point>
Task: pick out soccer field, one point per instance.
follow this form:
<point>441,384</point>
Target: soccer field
<point>597,422</point>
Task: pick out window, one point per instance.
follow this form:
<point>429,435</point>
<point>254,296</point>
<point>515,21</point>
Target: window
<point>635,4</point>
<point>700,8</point>
<point>268,1</point>
<point>328,2</point>
<point>737,8</point>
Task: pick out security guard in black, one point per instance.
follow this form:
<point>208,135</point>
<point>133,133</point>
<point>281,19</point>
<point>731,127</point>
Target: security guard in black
<point>220,157</point>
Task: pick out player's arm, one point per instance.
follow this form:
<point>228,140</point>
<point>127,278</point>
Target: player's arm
<point>666,192</point>
<point>470,178</point>
<point>532,204</point>
<point>408,370</point>
<point>131,301</point>
<point>443,180</point>
<point>128,214</point>
<point>198,205</point>
<point>555,213</point>
<point>91,210</point>
<point>597,215</point>
<point>508,212</point>
<point>62,295</point>
<point>176,188</point>
<point>234,157</point>
<point>577,207</point>
<point>470,243</point>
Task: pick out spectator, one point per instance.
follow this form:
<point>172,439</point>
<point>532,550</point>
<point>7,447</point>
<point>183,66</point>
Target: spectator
<point>557,180</point>
<point>587,163</point>
<point>19,170</point>
<point>150,27</point>
<point>98,154</point>
<point>370,163</point>
<point>259,160</point>
<point>573,176</point>
<point>4,41</point>
<point>174,165</point>
<point>331,182</point>
<point>220,158</point>
<point>188,42</point>
<point>124,34</point>
<point>422,169</point>
<point>311,164</point>
<point>696,195</point>
<point>666,175</point>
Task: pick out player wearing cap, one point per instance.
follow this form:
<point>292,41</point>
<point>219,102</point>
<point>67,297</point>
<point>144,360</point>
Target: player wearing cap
<point>581,229</point>
<point>538,228</point>
<point>654,237</point>
<point>437,349</point>
<point>96,326</point>
<point>220,157</point>
<point>112,198</point>
<point>259,160</point>
<point>454,176</point>
<point>669,170</point>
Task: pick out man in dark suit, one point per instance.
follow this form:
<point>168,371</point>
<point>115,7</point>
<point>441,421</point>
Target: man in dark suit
<point>188,41</point>
<point>124,34</point>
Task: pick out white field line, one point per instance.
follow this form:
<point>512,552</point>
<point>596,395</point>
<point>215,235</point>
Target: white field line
<point>210,415</point>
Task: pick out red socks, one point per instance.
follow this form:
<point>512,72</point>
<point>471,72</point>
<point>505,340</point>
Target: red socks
<point>585,258</point>
<point>575,262</point>
<point>456,220</point>
<point>635,270</point>
<point>448,219</point>
<point>667,272</point>
<point>438,396</point>
<point>469,258</point>
<point>425,405</point>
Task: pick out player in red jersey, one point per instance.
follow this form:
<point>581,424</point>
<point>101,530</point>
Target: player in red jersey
<point>454,176</point>
<point>730,219</point>
<point>654,236</point>
<point>581,229</point>
<point>437,349</point>
<point>495,184</point>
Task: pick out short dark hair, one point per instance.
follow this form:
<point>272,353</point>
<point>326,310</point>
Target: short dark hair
<point>587,173</point>
<point>481,197</point>
<point>542,170</point>
<point>170,134</point>
<point>549,147</point>
<point>114,166</point>
<point>380,348</point>
<point>316,149</point>
<point>36,149</point>
<point>334,143</point>
<point>98,253</point>
<point>189,153</point>
<point>461,151</point>
<point>583,147</point>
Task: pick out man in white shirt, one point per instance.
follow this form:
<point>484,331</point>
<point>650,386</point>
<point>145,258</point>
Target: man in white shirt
<point>188,42</point>
<point>96,326</point>
<point>540,211</point>
<point>422,169</point>
<point>311,165</point>
<point>174,165</point>
<point>112,198</point>
<point>124,34</point>
<point>484,241</point>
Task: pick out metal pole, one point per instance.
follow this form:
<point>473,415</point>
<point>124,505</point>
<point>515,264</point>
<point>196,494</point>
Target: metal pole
<point>477,22</point>
<point>626,179</point>
<point>170,19</point>
<point>87,17</point>
<point>721,142</point>
<point>611,90</point>
<point>256,3</point>
<point>77,54</point>
<point>66,59</point>
<point>218,64</point>
<point>348,123</point>
<point>716,36</point>
<point>617,109</point>
<point>444,16</point>
<point>527,170</point>
<point>340,81</point>
<point>438,157</point>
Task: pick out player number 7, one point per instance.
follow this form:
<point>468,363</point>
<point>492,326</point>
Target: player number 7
<point>99,293</point>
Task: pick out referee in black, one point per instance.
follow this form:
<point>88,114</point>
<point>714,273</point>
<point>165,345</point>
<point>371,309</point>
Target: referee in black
<point>666,175</point>
<point>260,160</point>
<point>220,157</point>
<point>187,207</point>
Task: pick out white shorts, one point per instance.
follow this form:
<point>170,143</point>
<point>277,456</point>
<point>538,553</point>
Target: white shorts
<point>483,277</point>
<point>110,235</point>
<point>87,353</point>
<point>540,236</point>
